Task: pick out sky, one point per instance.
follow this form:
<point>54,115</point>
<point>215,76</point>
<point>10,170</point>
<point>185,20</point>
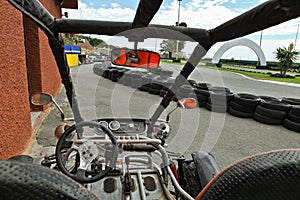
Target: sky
<point>206,14</point>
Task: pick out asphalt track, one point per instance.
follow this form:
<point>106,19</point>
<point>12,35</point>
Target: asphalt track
<point>227,137</point>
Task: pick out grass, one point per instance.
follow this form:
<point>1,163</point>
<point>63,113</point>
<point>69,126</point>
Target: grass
<point>175,63</point>
<point>259,76</point>
<point>253,75</point>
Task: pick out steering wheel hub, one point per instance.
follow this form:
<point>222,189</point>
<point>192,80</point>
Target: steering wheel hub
<point>87,153</point>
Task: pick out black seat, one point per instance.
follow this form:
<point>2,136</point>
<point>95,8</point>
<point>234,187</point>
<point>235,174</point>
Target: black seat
<point>272,175</point>
<point>23,180</point>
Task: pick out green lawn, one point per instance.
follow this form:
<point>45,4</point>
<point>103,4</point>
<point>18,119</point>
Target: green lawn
<point>249,74</point>
<point>175,63</point>
<point>263,76</point>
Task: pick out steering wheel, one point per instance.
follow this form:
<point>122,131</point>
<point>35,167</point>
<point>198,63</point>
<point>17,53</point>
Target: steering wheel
<point>84,154</point>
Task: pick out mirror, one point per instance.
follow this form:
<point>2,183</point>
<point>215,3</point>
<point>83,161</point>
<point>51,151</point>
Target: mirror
<point>40,99</point>
<point>135,58</point>
<point>187,103</point>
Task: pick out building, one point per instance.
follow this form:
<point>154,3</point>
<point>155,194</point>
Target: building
<point>27,67</point>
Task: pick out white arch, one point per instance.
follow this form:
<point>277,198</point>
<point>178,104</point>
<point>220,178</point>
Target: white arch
<point>240,42</point>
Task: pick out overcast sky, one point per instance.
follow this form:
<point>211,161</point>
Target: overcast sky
<point>205,14</point>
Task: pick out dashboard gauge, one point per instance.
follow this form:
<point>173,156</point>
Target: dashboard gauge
<point>103,123</point>
<point>131,125</point>
<point>114,125</point>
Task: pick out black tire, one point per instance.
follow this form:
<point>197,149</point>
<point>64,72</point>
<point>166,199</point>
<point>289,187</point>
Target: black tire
<point>134,83</point>
<point>240,114</point>
<point>202,92</point>
<point>221,96</point>
<point>154,91</point>
<point>114,78</point>
<point>145,82</point>
<point>217,103</point>
<point>162,92</point>
<point>268,98</point>
<point>144,88</point>
<point>241,108</point>
<point>135,80</point>
<point>157,83</point>
<point>166,73</point>
<point>105,73</point>
<point>192,82</point>
<point>202,86</point>
<point>291,101</point>
<point>275,105</point>
<point>216,108</point>
<point>175,98</point>
<point>296,110</point>
<point>201,99</point>
<point>266,120</point>
<point>156,86</point>
<point>127,80</point>
<point>219,89</point>
<point>191,182</point>
<point>184,91</point>
<point>293,126</point>
<point>293,117</point>
<point>275,114</point>
<point>246,99</point>
<point>200,103</point>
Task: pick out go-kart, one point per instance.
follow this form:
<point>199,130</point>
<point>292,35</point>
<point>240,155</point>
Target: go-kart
<point>125,157</point>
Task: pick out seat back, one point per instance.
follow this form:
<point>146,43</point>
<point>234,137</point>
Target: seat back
<point>273,175</point>
<point>21,180</point>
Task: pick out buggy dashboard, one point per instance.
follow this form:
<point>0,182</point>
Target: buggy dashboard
<point>128,128</point>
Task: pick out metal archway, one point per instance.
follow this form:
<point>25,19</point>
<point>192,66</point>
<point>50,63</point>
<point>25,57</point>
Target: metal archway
<point>240,42</point>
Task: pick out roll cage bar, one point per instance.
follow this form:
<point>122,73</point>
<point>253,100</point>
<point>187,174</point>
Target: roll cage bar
<point>265,15</point>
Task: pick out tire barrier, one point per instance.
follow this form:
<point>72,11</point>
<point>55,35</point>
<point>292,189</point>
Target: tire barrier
<point>184,91</point>
<point>201,97</point>
<point>243,105</point>
<point>145,82</point>
<point>268,98</point>
<point>291,101</point>
<point>264,109</point>
<point>292,121</point>
<point>219,100</point>
<point>247,99</point>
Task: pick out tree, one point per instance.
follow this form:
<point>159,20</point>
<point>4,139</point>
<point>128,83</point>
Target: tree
<point>286,57</point>
<point>96,42</point>
<point>171,45</point>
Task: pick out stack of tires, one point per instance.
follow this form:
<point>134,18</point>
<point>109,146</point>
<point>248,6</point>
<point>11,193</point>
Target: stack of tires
<point>292,120</point>
<point>271,112</point>
<point>136,79</point>
<point>243,105</point>
<point>166,87</point>
<point>161,72</point>
<point>117,74</point>
<point>127,77</point>
<point>201,93</point>
<point>156,85</point>
<point>98,69</point>
<point>192,82</point>
<point>144,82</point>
<point>184,91</point>
<point>219,99</point>
<point>105,73</point>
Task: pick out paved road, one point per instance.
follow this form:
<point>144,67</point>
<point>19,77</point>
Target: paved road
<point>228,138</point>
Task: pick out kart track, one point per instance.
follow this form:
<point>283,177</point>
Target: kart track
<point>228,138</point>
